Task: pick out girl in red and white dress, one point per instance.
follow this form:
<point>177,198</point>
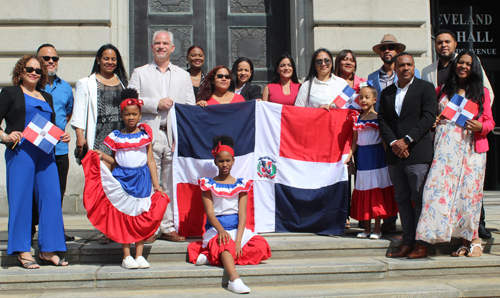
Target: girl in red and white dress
<point>373,195</point>
<point>226,241</point>
<point>127,204</point>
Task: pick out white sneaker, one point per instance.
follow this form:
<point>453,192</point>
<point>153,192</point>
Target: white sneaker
<point>129,263</point>
<point>363,235</point>
<point>202,260</point>
<point>375,235</point>
<point>237,286</point>
<point>141,261</point>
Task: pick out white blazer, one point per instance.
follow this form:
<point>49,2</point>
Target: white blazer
<point>429,74</point>
<point>144,80</point>
<point>85,108</point>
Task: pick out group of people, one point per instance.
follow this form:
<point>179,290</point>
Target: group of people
<point>409,158</point>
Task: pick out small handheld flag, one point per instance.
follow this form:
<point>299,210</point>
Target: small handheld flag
<point>42,133</point>
<point>459,110</point>
<point>347,99</point>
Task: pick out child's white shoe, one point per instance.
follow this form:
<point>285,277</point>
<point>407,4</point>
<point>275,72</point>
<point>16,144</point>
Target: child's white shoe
<point>141,261</point>
<point>237,286</point>
<point>363,235</point>
<point>202,260</point>
<point>376,235</point>
<point>129,263</point>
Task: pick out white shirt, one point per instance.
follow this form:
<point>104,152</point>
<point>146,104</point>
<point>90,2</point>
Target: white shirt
<point>321,92</point>
<point>165,78</point>
<point>400,96</point>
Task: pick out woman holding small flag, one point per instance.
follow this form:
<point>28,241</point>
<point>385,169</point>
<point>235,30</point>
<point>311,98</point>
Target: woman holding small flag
<point>29,168</point>
<point>453,191</point>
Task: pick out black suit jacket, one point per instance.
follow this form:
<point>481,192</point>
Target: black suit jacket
<point>13,109</point>
<point>417,116</point>
<point>250,92</point>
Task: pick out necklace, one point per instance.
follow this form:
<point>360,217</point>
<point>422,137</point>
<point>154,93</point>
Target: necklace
<point>107,79</point>
<point>35,93</point>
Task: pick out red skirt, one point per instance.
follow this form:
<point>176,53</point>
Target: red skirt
<point>373,203</point>
<point>253,252</point>
<point>118,226</point>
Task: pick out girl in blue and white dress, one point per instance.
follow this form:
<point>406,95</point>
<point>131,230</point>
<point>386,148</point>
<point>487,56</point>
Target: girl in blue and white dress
<point>226,241</point>
<point>373,195</point>
<point>127,204</point>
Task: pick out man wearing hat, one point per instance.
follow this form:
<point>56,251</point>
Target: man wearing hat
<point>387,49</point>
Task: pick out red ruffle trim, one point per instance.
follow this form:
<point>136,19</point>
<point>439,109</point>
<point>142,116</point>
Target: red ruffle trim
<point>373,203</point>
<point>118,226</point>
<point>206,184</point>
<point>254,251</point>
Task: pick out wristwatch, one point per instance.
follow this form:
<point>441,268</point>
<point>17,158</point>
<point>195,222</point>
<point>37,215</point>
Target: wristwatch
<point>407,140</point>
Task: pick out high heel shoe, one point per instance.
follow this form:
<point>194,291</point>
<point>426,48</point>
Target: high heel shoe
<point>28,264</point>
<point>44,261</point>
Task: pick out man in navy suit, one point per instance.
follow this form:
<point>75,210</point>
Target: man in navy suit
<point>407,111</point>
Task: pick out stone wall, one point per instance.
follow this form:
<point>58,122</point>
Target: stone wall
<point>77,29</point>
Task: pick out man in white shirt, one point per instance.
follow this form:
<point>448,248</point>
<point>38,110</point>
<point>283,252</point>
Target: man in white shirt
<point>160,84</point>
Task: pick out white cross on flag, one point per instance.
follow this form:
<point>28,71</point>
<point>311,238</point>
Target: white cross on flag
<point>347,99</point>
<point>42,133</point>
<point>459,110</point>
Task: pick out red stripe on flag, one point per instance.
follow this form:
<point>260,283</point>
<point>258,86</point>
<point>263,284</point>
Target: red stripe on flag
<point>315,135</point>
<point>56,132</point>
<point>448,113</point>
<point>471,107</point>
<point>192,217</point>
<point>29,134</point>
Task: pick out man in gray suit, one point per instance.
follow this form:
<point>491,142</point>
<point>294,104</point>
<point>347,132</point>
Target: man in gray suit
<point>160,84</point>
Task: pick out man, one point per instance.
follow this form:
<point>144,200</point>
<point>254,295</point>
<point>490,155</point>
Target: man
<point>62,95</point>
<point>407,111</point>
<point>438,72</point>
<point>387,49</point>
<point>160,84</point>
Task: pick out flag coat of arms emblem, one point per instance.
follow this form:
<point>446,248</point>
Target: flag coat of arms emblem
<point>294,155</point>
<point>42,133</point>
<point>459,110</point>
<point>347,99</point>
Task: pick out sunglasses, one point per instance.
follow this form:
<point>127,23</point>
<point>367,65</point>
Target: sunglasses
<point>390,47</point>
<point>220,76</point>
<point>38,71</point>
<point>47,58</point>
<point>327,61</point>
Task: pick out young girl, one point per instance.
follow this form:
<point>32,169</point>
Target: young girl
<point>373,195</point>
<point>226,241</point>
<point>128,204</point>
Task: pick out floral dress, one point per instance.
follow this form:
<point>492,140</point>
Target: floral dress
<point>453,191</point>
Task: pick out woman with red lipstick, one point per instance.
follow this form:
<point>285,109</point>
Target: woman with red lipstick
<point>195,59</point>
<point>242,73</point>
<point>345,67</point>
<point>215,88</point>
<point>31,170</point>
<point>285,85</point>
<point>453,191</point>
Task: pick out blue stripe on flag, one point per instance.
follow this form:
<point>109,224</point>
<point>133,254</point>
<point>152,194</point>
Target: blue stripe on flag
<point>196,127</point>
<point>322,211</point>
<point>46,146</point>
<point>39,121</point>
<point>457,99</point>
<point>348,91</point>
<point>461,120</point>
<point>371,157</point>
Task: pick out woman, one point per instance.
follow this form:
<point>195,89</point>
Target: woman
<point>321,86</point>
<point>285,85</point>
<point>345,67</point>
<point>453,190</point>
<point>242,77</point>
<point>29,169</point>
<point>196,58</point>
<point>96,110</point>
<point>215,88</point>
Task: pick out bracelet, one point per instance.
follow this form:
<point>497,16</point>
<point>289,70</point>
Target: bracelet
<point>1,138</point>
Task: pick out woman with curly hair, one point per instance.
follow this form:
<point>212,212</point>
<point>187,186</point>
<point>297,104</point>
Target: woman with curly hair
<point>215,88</point>
<point>25,162</point>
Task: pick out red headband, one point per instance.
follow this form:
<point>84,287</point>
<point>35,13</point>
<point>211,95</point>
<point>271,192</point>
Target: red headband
<point>220,148</point>
<point>131,102</point>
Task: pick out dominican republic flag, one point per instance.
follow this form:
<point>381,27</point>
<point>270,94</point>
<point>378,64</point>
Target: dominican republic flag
<point>347,99</point>
<point>459,110</point>
<point>42,133</point>
<point>294,155</point>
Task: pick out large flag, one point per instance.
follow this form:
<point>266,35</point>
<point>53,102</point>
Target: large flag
<point>459,110</point>
<point>294,155</point>
<point>347,99</point>
<point>42,133</point>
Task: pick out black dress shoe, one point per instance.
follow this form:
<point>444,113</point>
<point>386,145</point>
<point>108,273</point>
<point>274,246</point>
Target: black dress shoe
<point>69,238</point>
<point>483,232</point>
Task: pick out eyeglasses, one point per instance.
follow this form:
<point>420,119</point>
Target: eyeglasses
<point>390,47</point>
<point>220,76</point>
<point>29,69</point>
<point>327,61</point>
<point>47,58</point>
